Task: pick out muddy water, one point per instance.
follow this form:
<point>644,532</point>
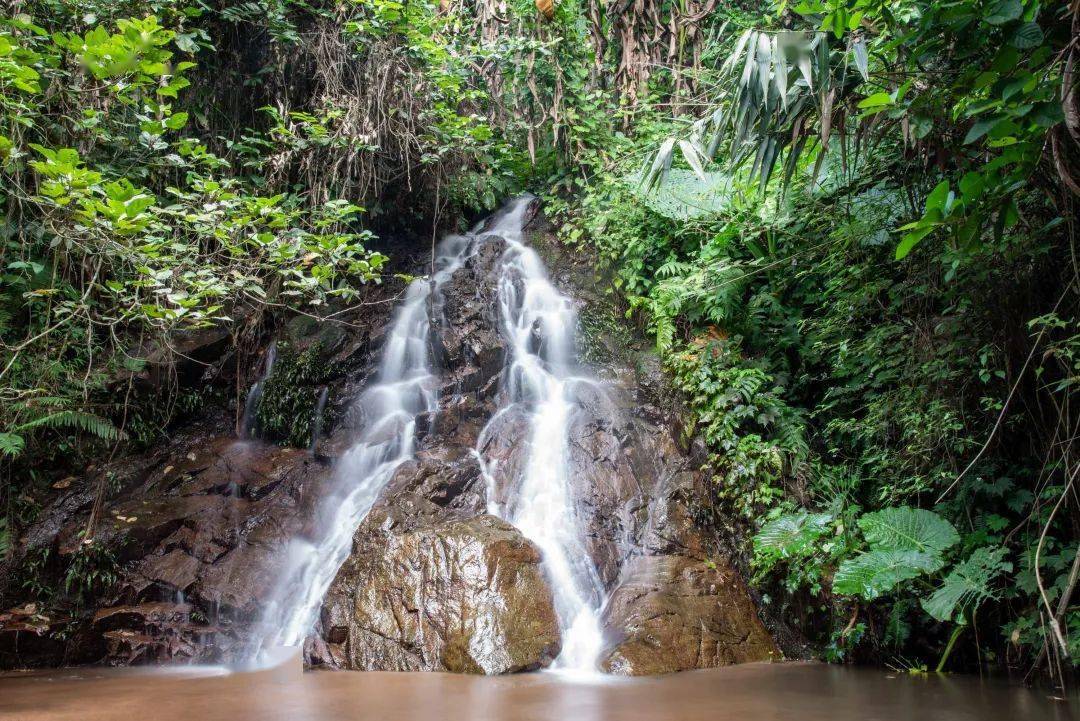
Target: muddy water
<point>802,692</point>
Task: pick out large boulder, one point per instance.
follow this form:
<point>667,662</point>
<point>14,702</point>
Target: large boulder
<point>426,592</point>
<point>672,613</point>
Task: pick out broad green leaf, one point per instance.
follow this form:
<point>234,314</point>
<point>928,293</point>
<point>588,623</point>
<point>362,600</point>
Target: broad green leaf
<point>910,240</point>
<point>176,121</point>
<point>972,185</point>
<point>877,572</point>
<point>968,584</point>
<point>1027,36</point>
<point>1003,11</point>
<point>876,100</point>
<point>938,196</point>
<point>908,529</point>
<point>979,129</point>
<point>792,534</point>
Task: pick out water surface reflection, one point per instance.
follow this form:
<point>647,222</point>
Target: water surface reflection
<point>754,692</point>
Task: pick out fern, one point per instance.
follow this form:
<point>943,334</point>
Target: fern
<point>11,444</point>
<point>75,420</point>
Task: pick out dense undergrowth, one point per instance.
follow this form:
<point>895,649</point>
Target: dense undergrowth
<point>848,225</point>
<point>878,339</point>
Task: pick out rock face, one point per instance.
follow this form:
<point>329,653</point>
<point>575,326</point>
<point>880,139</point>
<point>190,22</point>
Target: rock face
<point>428,593</point>
<point>674,603</point>
<point>198,544</point>
<point>434,582</point>
<point>672,612</point>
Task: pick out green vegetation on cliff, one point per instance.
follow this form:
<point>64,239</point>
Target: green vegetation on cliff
<point>848,225</point>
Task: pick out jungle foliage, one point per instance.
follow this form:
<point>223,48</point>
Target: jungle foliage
<point>858,257</point>
<point>848,225</point>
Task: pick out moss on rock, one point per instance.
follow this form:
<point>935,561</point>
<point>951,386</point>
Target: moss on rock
<point>287,407</point>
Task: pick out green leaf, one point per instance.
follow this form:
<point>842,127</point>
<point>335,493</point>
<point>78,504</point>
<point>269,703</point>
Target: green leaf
<point>792,534</point>
<point>876,100</point>
<point>1027,36</point>
<point>910,240</point>
<point>979,129</point>
<point>972,185</point>
<point>176,121</point>
<point>877,572</point>
<point>968,584</point>
<point>938,196</point>
<point>908,529</point>
<point>1003,11</point>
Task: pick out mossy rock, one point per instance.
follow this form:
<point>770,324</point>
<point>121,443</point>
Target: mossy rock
<point>286,410</point>
<point>603,338</point>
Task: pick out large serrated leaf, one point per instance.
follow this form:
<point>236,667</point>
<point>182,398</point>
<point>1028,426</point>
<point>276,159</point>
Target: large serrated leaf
<point>908,529</point>
<point>792,534</point>
<point>684,196</point>
<point>875,573</point>
<point>968,584</point>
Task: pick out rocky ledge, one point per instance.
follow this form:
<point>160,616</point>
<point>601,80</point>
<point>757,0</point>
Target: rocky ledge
<point>197,531</point>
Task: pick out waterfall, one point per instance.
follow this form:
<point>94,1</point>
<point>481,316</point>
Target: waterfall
<point>538,325</point>
<point>251,405</point>
<point>317,419</point>
<point>405,388</point>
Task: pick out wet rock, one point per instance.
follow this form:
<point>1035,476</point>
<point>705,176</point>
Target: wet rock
<point>448,476</point>
<point>423,592</point>
<point>207,524</point>
<point>30,638</point>
<point>433,582</point>
<point>672,613</point>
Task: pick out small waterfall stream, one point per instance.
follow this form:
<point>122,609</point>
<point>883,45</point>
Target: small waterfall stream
<point>317,419</point>
<point>405,388</point>
<point>538,324</point>
<point>251,404</point>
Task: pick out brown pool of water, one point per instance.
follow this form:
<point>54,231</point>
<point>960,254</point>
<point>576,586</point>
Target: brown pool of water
<point>754,692</point>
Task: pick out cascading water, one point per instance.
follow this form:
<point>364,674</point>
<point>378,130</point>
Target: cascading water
<point>251,405</point>
<point>317,419</point>
<point>405,389</point>
<point>538,324</point>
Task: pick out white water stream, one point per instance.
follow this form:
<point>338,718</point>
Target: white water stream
<point>405,389</point>
<point>538,324</point>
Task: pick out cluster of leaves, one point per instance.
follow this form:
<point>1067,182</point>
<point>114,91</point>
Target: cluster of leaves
<point>754,437</point>
<point>286,410</point>
<point>875,387</point>
<point>125,230</point>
